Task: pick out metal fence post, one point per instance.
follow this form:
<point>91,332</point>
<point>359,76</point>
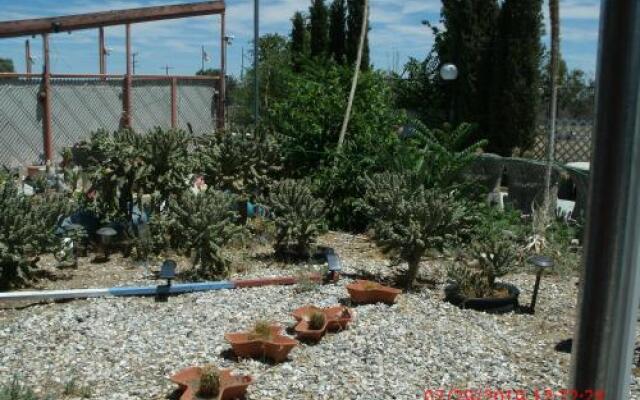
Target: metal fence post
<point>606,326</point>
<point>45,97</point>
<point>174,103</point>
<point>126,94</point>
<point>223,71</point>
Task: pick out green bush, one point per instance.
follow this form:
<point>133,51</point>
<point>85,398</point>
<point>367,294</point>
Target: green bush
<point>298,217</point>
<point>26,230</point>
<point>409,218</point>
<point>14,390</point>
<point>202,225</point>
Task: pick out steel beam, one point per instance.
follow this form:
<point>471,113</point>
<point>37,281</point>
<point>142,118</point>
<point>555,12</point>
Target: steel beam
<point>109,18</point>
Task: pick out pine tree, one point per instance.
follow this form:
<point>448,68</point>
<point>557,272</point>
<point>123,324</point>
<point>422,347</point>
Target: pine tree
<point>354,26</point>
<point>319,16</point>
<point>516,76</point>
<point>298,34</point>
<point>337,31</point>
<point>467,43</point>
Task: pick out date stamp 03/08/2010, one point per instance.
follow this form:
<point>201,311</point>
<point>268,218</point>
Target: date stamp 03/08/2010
<point>513,394</point>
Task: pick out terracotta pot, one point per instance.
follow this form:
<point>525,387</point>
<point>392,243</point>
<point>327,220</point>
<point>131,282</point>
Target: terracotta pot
<point>335,316</point>
<point>304,331</point>
<point>276,348</point>
<point>361,294</point>
<point>231,387</point>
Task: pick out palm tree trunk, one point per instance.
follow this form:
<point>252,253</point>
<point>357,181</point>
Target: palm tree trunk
<point>554,14</point>
<point>354,83</point>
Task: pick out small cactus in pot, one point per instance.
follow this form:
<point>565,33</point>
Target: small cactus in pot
<point>209,382</point>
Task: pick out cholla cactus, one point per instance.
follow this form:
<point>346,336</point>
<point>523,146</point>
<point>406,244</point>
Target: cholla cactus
<point>209,382</point>
<point>317,320</point>
<point>496,256</point>
<point>409,218</point>
<point>202,225</point>
<point>299,218</point>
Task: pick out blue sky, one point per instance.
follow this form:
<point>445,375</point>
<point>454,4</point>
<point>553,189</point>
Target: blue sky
<point>396,34</point>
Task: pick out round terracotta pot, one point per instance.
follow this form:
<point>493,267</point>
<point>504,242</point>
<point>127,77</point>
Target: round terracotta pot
<point>231,387</point>
<point>492,305</point>
<point>361,294</point>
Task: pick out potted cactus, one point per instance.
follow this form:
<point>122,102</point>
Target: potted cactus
<point>265,340</point>
<point>209,382</point>
<point>314,322</point>
<point>368,292</point>
<point>475,286</point>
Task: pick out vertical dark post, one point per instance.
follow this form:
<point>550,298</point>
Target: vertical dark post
<point>174,102</point>
<point>606,326</point>
<point>45,97</point>
<point>256,46</point>
<point>126,95</point>
<point>102,51</point>
<point>27,56</point>
<point>223,73</point>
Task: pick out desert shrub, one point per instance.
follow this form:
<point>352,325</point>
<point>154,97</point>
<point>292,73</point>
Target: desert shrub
<point>202,225</point>
<point>409,218</point>
<point>298,216</point>
<point>26,229</point>
<point>242,163</point>
<point>14,390</point>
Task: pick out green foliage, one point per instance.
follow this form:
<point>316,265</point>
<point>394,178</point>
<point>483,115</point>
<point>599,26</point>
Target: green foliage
<point>496,255</point>
<point>318,14</point>
<point>298,217</point>
<point>14,390</point>
<point>74,389</point>
<point>576,92</point>
<point>243,163</point>
<point>209,382</point>
<point>338,31</point>
<point>26,230</point>
<point>6,65</point>
<point>261,330</point>
<point>515,93</point>
<point>298,40</point>
<point>467,41</point>
<point>354,27</point>
<point>409,218</point>
<point>202,225</point>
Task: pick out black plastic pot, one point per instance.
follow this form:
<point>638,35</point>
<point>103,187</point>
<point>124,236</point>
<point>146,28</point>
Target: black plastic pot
<point>492,305</point>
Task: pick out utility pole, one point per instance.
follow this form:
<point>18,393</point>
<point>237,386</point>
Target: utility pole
<point>102,51</point>
<point>27,54</point>
<point>242,65</point>
<point>166,69</point>
<point>134,61</point>
<point>256,40</point>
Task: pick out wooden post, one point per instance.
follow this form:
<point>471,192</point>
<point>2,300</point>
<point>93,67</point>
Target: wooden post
<point>27,56</point>
<point>174,103</point>
<point>223,72</point>
<point>102,52</point>
<point>126,94</point>
<point>45,98</point>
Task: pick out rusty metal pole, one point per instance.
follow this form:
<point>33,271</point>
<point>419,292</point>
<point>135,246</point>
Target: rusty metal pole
<point>127,81</point>
<point>174,102</point>
<point>45,97</point>
<point>223,72</point>
<point>27,56</point>
<point>102,51</point>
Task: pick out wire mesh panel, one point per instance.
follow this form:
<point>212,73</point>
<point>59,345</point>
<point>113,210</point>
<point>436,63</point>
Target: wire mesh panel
<point>20,122</point>
<point>151,104</point>
<point>573,141</point>
<point>197,101</point>
<point>82,106</point>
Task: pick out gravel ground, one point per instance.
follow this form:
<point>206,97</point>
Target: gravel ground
<point>126,348</point>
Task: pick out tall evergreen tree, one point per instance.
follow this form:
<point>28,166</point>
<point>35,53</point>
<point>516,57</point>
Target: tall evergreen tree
<point>298,34</point>
<point>467,42</point>
<point>354,26</point>
<point>319,16</point>
<point>6,65</point>
<point>516,85</point>
<point>337,31</point>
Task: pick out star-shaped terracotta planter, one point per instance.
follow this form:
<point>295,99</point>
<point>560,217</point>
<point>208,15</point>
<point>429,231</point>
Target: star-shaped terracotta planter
<point>368,292</point>
<point>231,387</point>
<point>336,318</point>
<point>275,347</point>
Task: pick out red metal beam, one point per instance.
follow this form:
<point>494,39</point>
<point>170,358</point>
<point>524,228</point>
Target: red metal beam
<point>69,23</point>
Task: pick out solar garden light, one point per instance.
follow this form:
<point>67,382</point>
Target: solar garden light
<point>541,263</point>
<point>106,237</point>
<point>168,272</point>
<point>334,265</point>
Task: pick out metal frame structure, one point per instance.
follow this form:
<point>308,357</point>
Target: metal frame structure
<point>99,20</point>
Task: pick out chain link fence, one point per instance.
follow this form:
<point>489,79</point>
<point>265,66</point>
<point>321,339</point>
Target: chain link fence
<point>82,105</point>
